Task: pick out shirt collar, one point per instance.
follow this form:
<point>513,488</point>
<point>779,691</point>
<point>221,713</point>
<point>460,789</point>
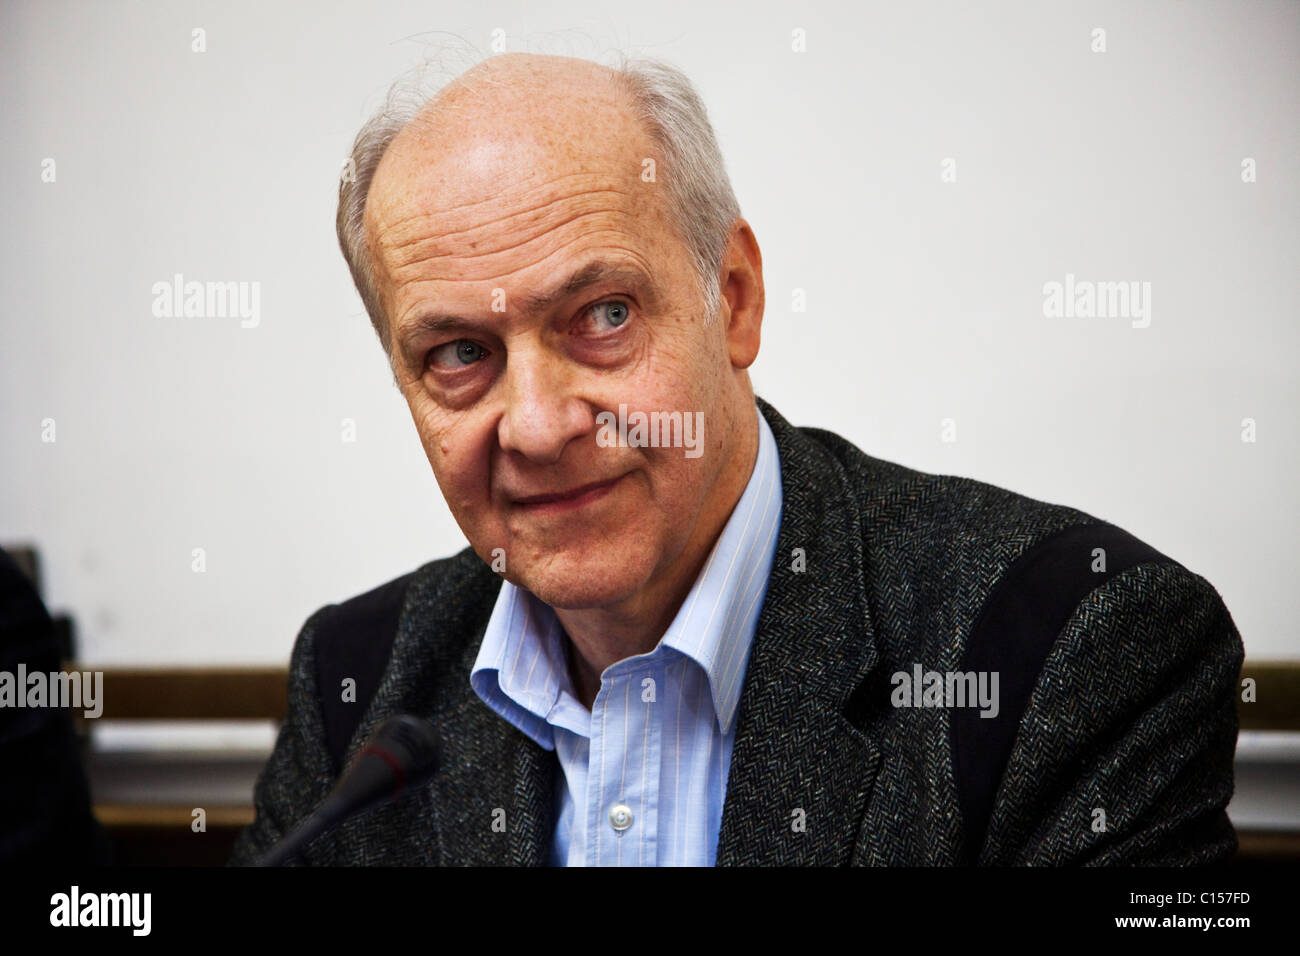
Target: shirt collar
<point>521,670</point>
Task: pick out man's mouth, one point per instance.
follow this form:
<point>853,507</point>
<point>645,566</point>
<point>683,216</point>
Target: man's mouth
<point>566,500</point>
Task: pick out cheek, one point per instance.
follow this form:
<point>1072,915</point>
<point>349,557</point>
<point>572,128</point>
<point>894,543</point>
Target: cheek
<point>458,448</point>
<point>684,377</point>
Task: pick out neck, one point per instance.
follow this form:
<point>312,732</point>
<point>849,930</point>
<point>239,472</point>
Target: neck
<point>600,637</point>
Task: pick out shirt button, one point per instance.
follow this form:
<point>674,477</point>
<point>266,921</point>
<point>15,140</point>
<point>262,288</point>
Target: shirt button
<point>620,817</point>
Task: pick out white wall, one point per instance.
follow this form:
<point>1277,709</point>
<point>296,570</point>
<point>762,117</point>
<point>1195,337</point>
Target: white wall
<point>925,298</point>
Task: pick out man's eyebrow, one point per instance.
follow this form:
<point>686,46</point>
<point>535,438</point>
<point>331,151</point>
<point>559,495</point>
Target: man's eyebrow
<point>593,273</point>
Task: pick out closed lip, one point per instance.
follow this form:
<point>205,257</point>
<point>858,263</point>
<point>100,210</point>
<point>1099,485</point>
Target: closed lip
<point>572,495</point>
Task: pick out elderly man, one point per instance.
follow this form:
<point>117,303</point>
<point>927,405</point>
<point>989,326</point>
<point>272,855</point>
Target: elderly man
<point>686,632</point>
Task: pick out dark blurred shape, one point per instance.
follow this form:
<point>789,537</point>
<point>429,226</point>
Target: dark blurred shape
<point>29,562</point>
<point>45,810</point>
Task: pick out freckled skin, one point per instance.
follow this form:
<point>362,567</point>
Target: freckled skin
<point>516,176</point>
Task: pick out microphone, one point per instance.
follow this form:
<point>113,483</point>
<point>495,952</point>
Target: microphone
<point>401,754</point>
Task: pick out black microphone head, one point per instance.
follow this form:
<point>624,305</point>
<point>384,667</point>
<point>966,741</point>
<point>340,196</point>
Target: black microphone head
<point>411,742</point>
<point>401,754</point>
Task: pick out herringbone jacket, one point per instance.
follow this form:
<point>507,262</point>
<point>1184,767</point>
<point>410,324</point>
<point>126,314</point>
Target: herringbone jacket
<point>1120,751</point>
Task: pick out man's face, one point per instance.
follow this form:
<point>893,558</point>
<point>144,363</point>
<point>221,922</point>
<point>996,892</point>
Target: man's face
<point>531,281</point>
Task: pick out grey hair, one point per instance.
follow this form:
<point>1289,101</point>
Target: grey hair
<point>699,199</point>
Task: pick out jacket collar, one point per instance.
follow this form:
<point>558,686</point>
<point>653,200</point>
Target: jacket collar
<point>801,770</point>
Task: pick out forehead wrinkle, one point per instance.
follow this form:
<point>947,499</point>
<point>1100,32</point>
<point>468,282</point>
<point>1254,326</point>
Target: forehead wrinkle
<point>522,190</point>
<point>416,268</point>
<point>406,251</point>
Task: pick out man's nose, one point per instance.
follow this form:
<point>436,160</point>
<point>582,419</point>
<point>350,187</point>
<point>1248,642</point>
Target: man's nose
<point>542,414</point>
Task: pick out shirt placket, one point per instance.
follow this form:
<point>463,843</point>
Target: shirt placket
<point>623,773</point>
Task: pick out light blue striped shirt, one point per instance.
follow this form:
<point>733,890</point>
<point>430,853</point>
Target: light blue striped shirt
<point>645,770</point>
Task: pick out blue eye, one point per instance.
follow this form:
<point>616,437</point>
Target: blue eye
<point>616,312</point>
<point>457,354</point>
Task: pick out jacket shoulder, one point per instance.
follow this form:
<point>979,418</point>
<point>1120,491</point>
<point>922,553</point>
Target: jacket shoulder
<point>966,557</point>
<point>917,515</point>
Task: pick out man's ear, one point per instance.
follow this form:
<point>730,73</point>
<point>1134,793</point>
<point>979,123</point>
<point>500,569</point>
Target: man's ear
<point>742,295</point>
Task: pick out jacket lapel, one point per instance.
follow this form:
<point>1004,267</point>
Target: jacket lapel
<point>801,771</point>
<point>493,800</point>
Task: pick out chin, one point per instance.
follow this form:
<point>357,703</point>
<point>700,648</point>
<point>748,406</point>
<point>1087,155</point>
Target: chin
<point>586,579</point>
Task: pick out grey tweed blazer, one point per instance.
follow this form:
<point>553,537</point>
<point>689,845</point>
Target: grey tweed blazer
<point>1132,711</point>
